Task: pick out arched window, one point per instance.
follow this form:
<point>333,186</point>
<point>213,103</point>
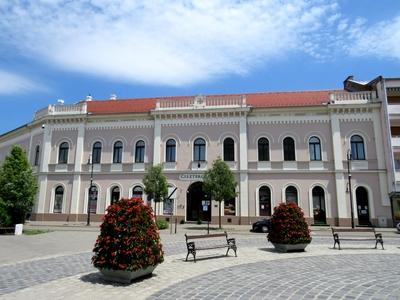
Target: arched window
<point>115,194</point>
<point>37,153</point>
<point>319,210</point>
<point>139,152</point>
<point>137,192</point>
<point>58,199</point>
<point>288,149</point>
<point>63,153</point>
<point>199,150</point>
<point>263,149</point>
<point>117,154</point>
<point>170,150</point>
<point>96,153</point>
<point>229,149</point>
<point>264,197</point>
<point>93,193</point>
<point>314,145</point>
<point>291,195</point>
<point>357,147</point>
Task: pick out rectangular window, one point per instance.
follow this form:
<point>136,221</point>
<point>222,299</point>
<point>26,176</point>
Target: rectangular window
<point>315,152</point>
<point>117,155</point>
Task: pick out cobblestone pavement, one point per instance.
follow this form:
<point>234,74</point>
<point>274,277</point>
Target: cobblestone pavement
<point>60,272</point>
<point>256,268</point>
<point>363,276</point>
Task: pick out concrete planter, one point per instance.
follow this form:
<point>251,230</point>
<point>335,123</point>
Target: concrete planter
<point>290,247</point>
<point>125,276</point>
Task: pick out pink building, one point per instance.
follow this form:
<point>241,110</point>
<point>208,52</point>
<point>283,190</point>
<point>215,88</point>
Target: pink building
<point>287,146</point>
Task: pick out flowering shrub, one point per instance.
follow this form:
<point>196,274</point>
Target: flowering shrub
<point>129,238</point>
<point>289,225</point>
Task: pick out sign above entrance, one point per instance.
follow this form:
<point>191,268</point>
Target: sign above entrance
<point>191,177</point>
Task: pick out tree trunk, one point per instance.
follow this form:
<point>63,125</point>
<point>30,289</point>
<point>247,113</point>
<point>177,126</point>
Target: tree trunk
<point>219,219</point>
<point>155,210</point>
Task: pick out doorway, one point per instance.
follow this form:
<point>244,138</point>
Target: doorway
<point>362,206</point>
<point>319,211</point>
<point>198,203</point>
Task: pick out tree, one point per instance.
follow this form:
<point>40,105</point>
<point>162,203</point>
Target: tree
<point>18,185</point>
<point>155,185</point>
<point>219,183</point>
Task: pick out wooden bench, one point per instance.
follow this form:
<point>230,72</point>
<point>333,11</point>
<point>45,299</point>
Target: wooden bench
<point>377,237</point>
<point>226,243</point>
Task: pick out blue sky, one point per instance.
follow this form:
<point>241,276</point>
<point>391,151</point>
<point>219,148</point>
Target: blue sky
<point>55,49</point>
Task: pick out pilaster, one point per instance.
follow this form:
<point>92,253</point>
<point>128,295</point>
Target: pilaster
<point>244,185</point>
<point>342,201</point>
<point>44,168</point>
<point>76,185</point>
<point>157,142</point>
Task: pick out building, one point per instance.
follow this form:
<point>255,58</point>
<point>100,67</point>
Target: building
<point>286,146</point>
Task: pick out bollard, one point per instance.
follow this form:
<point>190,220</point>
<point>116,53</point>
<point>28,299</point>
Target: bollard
<point>18,229</point>
<point>176,224</point>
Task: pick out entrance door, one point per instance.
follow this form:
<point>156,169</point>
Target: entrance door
<point>362,206</point>
<point>319,211</point>
<point>198,203</point>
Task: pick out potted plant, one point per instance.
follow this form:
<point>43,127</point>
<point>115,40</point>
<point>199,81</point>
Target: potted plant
<point>289,230</point>
<point>129,245</point>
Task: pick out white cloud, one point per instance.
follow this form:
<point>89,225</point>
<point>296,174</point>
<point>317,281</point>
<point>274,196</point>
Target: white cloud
<point>381,39</point>
<point>164,42</point>
<point>11,83</point>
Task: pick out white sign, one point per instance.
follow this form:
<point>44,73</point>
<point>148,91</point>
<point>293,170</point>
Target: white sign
<point>191,177</point>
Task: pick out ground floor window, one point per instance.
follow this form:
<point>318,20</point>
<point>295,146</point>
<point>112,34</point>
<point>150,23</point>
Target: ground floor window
<point>264,198</point>
<point>115,193</point>
<point>291,195</point>
<point>230,207</point>
<point>137,192</point>
<point>93,192</point>
<point>58,199</point>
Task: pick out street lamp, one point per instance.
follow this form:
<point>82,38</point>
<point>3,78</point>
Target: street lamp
<point>350,191</point>
<point>90,162</point>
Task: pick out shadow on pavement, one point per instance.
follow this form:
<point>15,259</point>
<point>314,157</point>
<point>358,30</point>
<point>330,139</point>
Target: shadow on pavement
<point>97,278</point>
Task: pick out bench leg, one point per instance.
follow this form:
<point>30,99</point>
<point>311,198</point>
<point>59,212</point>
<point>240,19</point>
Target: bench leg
<point>193,253</point>
<point>379,241</point>
<point>234,248</point>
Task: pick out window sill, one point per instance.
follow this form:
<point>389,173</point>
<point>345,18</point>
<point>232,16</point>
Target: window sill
<point>316,165</point>
<point>263,165</point>
<point>170,165</point>
<point>290,165</point>
<point>138,166</point>
<point>116,167</point>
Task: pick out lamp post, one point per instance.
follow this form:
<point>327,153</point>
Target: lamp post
<point>350,191</point>
<point>90,162</point>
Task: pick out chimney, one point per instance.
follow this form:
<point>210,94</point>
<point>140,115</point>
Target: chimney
<point>113,97</point>
<point>89,98</point>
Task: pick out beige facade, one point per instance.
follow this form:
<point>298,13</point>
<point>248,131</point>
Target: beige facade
<point>264,177</point>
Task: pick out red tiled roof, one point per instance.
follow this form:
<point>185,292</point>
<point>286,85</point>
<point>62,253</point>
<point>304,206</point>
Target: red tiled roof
<point>270,99</point>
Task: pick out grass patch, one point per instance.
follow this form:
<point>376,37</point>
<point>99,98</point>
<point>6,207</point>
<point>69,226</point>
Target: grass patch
<point>35,231</point>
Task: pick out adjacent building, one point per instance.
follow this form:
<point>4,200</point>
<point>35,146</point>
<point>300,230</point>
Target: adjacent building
<point>281,147</point>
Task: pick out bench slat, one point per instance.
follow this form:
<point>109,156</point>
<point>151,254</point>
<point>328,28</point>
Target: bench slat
<point>204,236</point>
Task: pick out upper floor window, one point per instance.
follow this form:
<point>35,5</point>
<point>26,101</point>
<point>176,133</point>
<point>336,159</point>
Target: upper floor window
<point>314,145</point>
<point>170,151</point>
<point>117,154</point>
<point>58,199</point>
<point>291,195</point>
<point>288,149</point>
<point>357,147</point>
<point>37,153</point>
<point>96,153</point>
<point>139,152</point>
<point>63,153</point>
<point>229,149</point>
<point>263,149</point>
<point>199,150</point>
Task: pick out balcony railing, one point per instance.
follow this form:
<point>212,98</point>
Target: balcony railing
<point>352,97</point>
<point>200,101</point>
<point>59,110</point>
